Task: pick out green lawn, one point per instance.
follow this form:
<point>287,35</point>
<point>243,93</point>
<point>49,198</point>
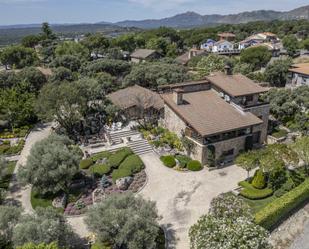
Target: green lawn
<point>257,205</point>
<point>7,178</point>
<point>40,201</point>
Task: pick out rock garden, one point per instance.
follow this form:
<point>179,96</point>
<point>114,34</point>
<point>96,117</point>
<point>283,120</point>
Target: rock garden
<point>103,174</point>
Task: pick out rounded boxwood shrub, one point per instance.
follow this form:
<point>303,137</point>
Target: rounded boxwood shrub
<point>133,163</point>
<point>194,165</point>
<point>183,160</point>
<point>256,194</point>
<point>120,173</point>
<point>100,169</point>
<point>259,180</point>
<point>85,163</point>
<point>168,161</point>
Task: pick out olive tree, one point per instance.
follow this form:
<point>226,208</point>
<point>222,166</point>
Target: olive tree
<point>124,221</point>
<point>248,161</point>
<point>39,246</point>
<point>9,216</point>
<point>301,147</point>
<point>43,226</point>
<point>51,165</point>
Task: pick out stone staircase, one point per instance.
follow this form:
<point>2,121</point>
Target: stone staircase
<point>140,147</point>
<point>116,137</point>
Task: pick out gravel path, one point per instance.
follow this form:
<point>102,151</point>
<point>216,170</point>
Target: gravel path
<point>293,232</point>
<point>21,195</point>
<point>182,198</point>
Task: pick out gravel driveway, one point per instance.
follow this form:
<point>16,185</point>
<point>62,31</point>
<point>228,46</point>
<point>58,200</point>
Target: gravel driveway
<point>183,197</point>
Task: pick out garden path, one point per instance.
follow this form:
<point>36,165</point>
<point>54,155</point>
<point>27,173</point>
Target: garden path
<point>21,195</point>
<point>182,198</point>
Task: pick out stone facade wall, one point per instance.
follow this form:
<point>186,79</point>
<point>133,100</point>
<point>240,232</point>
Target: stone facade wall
<point>172,122</point>
<point>237,144</point>
<point>263,113</point>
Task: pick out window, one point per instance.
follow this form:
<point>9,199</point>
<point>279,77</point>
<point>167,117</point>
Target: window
<point>228,153</point>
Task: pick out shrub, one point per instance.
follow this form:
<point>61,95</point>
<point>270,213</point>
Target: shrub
<point>100,169</point>
<point>280,208</point>
<point>168,161</point>
<point>245,184</point>
<point>101,155</point>
<point>99,245</point>
<point>120,173</point>
<point>259,179</point>
<point>85,163</point>
<point>132,163</point>
<point>194,165</point>
<point>116,159</point>
<point>256,194</point>
<point>183,160</point>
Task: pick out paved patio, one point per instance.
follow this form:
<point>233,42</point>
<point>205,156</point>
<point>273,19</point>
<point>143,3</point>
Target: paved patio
<point>183,197</point>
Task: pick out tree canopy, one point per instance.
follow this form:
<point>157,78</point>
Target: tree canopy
<point>125,221</point>
<point>51,165</point>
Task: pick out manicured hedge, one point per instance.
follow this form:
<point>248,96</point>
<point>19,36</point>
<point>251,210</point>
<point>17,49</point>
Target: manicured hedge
<point>256,194</point>
<point>101,155</point>
<point>194,165</point>
<point>100,169</point>
<point>183,160</point>
<point>168,161</point>
<point>120,173</point>
<point>259,179</point>
<point>280,208</point>
<point>116,159</point>
<point>245,184</point>
<point>132,163</point>
<point>85,163</point>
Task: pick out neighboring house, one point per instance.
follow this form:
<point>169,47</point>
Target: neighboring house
<point>222,115</point>
<point>186,57</point>
<point>136,99</point>
<point>226,36</point>
<point>259,38</point>
<point>222,46</point>
<point>142,55</point>
<point>208,45</point>
<point>299,75</point>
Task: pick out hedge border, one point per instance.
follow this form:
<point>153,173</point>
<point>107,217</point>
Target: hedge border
<point>278,210</point>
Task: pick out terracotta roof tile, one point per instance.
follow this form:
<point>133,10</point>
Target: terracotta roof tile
<point>131,96</point>
<point>302,68</point>
<point>235,85</point>
<point>209,114</point>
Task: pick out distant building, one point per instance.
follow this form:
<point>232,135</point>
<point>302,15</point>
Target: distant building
<point>208,45</point>
<point>227,36</point>
<point>299,75</point>
<point>142,55</point>
<point>222,45</point>
<point>186,57</point>
<point>222,115</point>
<point>265,37</point>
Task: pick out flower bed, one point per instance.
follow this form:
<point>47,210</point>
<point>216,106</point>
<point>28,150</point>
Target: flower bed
<point>181,163</point>
<point>7,149</point>
<point>15,133</point>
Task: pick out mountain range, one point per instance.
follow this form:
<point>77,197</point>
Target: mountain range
<point>192,19</point>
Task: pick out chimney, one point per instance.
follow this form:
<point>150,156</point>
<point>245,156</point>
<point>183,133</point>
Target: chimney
<point>228,70</point>
<point>178,96</point>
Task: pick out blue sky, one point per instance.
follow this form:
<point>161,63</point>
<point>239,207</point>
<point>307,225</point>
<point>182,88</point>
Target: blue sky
<point>76,11</point>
